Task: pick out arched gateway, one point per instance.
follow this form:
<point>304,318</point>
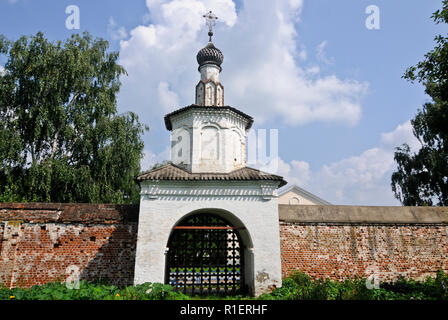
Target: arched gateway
<point>205,255</point>
<point>234,244</point>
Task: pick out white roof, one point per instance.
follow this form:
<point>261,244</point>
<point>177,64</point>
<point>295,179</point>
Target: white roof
<point>303,193</point>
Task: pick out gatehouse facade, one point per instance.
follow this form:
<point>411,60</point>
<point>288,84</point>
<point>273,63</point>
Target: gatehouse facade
<point>208,223</point>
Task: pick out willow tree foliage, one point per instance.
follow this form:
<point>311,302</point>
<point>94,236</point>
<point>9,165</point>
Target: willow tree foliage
<point>421,177</point>
<point>61,139</point>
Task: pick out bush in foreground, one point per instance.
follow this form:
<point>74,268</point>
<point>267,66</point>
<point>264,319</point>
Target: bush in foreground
<point>91,291</point>
<point>298,286</point>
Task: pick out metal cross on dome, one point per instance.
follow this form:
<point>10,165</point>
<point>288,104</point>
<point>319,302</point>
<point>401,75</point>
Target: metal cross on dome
<point>210,18</point>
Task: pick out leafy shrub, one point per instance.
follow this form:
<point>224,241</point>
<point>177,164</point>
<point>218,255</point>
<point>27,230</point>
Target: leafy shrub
<point>90,291</point>
<point>298,286</point>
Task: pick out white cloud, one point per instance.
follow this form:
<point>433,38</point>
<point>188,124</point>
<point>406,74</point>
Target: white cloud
<point>313,70</point>
<point>150,158</point>
<point>167,98</point>
<point>116,32</point>
<point>402,134</point>
<point>2,70</point>
<point>321,54</point>
<point>363,179</point>
<point>261,72</point>
<point>302,54</point>
<point>296,4</point>
<point>296,172</point>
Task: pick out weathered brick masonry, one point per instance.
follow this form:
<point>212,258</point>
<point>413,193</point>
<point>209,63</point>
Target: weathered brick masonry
<point>40,242</point>
<point>345,242</point>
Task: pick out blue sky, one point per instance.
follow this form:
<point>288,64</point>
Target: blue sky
<point>309,68</point>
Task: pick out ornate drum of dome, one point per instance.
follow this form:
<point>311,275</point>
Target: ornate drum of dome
<point>210,54</point>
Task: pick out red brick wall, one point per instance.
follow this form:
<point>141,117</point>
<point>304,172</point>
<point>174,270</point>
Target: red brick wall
<point>387,251</point>
<point>38,242</point>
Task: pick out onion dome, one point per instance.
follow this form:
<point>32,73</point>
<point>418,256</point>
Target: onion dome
<point>210,54</point>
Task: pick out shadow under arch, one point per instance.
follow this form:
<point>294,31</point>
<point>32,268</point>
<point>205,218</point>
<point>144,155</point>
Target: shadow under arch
<point>237,227</point>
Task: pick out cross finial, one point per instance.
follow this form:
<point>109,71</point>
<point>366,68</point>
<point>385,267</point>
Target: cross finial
<point>210,18</point>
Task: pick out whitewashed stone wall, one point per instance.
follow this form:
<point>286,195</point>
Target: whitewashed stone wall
<point>209,141</point>
<point>252,205</point>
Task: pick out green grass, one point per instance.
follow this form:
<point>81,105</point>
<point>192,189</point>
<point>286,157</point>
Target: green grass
<point>296,287</point>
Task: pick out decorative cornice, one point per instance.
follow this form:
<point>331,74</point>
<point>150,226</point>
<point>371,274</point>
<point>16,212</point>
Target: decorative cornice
<point>198,118</point>
<point>211,110</point>
<point>241,191</point>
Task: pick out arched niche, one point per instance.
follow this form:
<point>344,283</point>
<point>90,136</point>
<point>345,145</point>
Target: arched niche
<point>210,94</point>
<point>236,147</point>
<point>181,146</point>
<point>210,143</point>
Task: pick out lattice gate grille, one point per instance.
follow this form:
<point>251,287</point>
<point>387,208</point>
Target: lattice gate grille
<point>205,257</point>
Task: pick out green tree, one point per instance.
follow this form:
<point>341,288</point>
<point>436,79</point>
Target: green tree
<point>61,139</point>
<point>421,177</point>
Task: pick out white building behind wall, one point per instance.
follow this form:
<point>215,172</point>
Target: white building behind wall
<point>208,174</point>
<point>294,195</point>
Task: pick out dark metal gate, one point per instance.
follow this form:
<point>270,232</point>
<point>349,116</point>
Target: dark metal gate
<point>205,257</point>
